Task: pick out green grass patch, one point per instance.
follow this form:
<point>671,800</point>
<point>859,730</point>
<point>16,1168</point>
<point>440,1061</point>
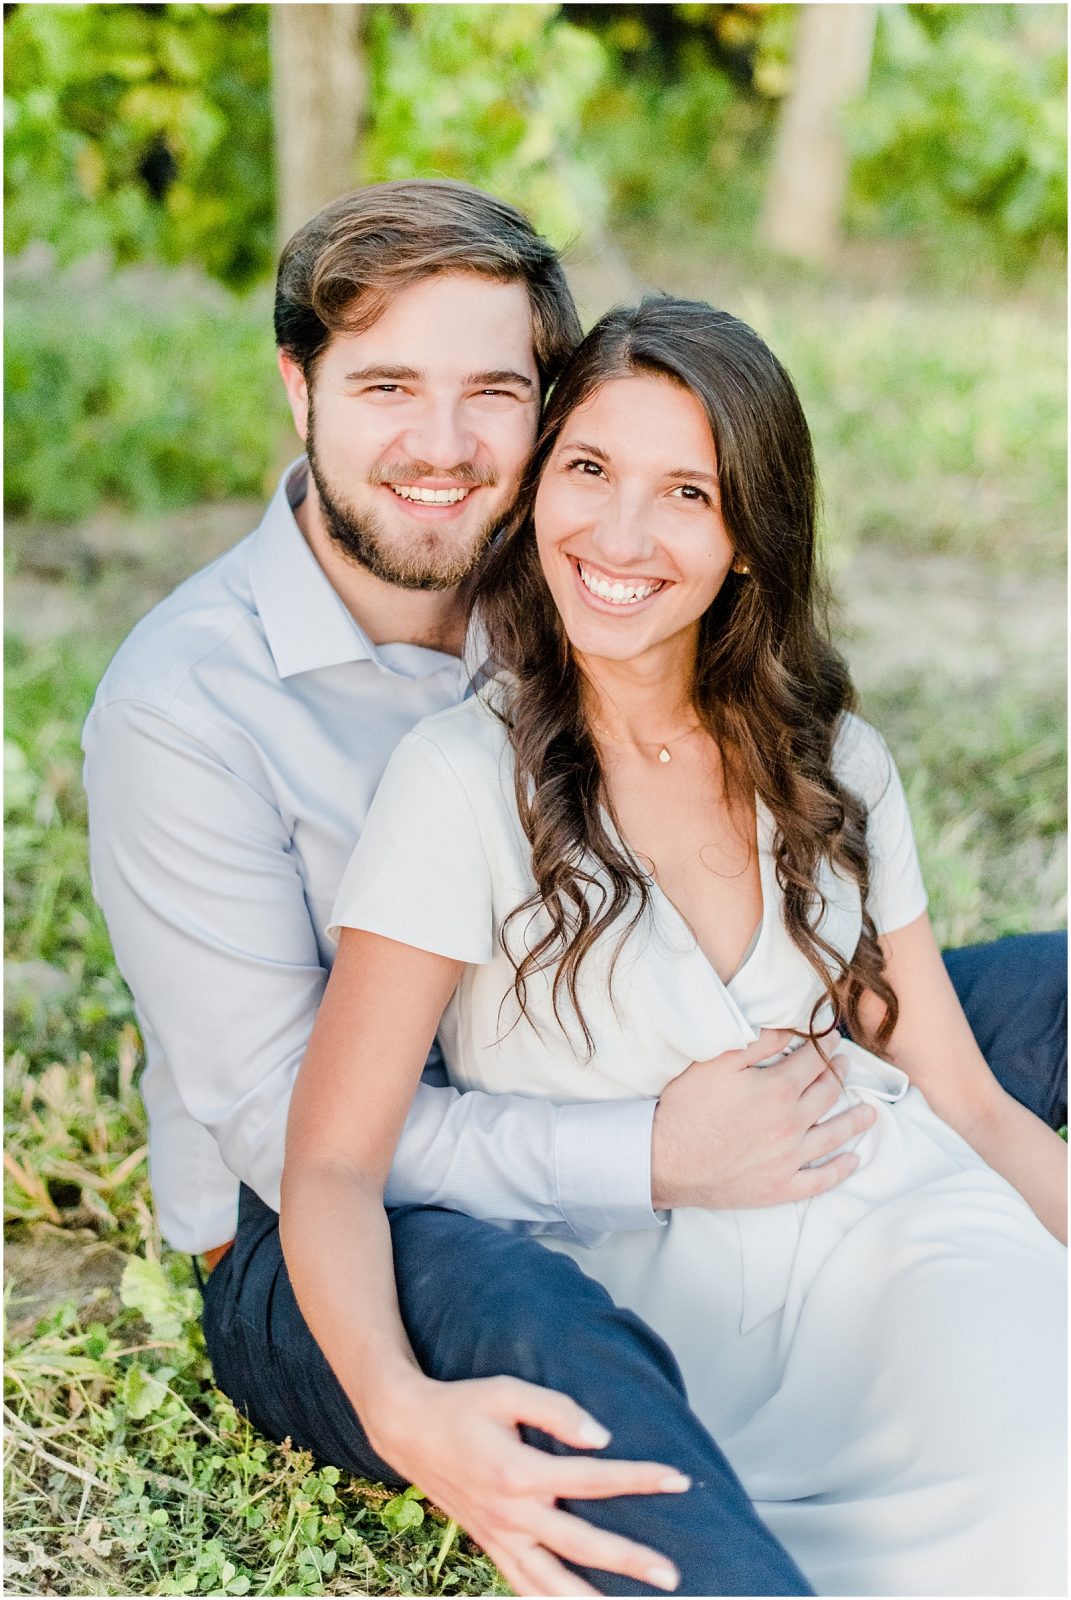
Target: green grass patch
<point>145,389</point>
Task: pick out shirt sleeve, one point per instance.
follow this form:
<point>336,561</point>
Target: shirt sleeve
<point>211,929</point>
<point>419,873</point>
<point>897,892</point>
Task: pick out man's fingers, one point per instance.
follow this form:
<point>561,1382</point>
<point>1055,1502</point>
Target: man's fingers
<point>804,1066</point>
<point>517,1401</point>
<point>590,1546</point>
<point>584,1478</point>
<point>819,1180</point>
<point>819,1098</point>
<point>770,1042</point>
<point>831,1135</point>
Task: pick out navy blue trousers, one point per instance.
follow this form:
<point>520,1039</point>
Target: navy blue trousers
<point>478,1301</point>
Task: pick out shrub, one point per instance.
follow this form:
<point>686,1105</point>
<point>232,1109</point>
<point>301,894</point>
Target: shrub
<point>147,389</point>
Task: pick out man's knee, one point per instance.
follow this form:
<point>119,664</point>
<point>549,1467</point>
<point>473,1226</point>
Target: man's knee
<point>1014,994</point>
<point>479,1301</point>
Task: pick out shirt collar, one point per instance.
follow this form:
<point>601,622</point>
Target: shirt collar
<point>305,622</point>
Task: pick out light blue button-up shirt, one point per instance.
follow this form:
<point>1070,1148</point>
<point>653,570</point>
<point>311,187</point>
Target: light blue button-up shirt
<point>232,752</point>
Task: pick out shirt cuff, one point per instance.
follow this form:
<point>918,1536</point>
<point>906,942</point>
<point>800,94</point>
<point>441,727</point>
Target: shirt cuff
<point>602,1158</point>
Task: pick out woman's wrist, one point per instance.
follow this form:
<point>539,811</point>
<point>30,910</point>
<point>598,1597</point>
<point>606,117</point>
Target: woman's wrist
<point>392,1407</point>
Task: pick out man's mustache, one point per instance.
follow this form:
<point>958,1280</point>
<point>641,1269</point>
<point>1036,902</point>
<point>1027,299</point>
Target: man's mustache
<point>408,473</point>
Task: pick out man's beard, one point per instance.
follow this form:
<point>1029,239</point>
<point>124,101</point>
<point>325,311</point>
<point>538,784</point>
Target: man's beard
<point>429,562</point>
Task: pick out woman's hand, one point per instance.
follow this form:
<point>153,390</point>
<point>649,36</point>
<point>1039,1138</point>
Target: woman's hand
<point>460,1443</point>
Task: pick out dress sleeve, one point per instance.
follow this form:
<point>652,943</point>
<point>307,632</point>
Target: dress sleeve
<point>419,873</point>
<point>897,893</point>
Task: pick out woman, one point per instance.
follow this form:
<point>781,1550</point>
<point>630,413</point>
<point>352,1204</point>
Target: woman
<point>657,830</point>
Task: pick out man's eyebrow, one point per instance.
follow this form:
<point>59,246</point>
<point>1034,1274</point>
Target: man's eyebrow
<point>383,375</point>
<point>500,376</point>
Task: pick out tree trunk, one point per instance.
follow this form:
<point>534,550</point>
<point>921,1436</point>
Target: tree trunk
<point>318,95</point>
<point>805,196</point>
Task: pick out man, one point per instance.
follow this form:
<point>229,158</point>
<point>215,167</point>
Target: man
<point>231,755</point>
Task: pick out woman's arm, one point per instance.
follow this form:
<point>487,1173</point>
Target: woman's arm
<point>934,1045</point>
<point>379,1014</point>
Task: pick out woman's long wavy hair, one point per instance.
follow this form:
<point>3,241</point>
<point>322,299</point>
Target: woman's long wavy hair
<point>769,686</point>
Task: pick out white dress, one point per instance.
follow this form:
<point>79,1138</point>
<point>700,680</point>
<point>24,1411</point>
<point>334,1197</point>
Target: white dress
<point>882,1365</point>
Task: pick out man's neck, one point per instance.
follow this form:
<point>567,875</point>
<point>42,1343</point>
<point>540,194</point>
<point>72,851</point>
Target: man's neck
<point>435,619</point>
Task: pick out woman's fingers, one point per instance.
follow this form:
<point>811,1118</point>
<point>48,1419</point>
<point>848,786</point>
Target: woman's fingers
<point>581,1478</point>
<point>537,1572</point>
<point>589,1546</point>
<point>515,1401</point>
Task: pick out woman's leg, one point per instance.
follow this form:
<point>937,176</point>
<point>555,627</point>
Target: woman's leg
<point>478,1301</point>
<point>921,1416</point>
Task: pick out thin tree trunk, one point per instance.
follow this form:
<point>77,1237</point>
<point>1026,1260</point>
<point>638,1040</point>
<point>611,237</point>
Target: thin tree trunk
<point>318,93</point>
<point>809,180</point>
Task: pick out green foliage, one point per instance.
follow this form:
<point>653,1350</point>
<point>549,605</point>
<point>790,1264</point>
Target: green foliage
<point>490,94</point>
<point>931,435</point>
<point>143,132</point>
<point>965,126</point>
<point>150,1482</point>
<point>142,388</point>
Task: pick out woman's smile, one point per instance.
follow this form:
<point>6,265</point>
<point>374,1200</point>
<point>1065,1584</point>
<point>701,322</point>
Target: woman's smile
<point>622,592</point>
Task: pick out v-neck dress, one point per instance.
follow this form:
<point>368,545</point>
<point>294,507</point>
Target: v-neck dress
<point>882,1365</point>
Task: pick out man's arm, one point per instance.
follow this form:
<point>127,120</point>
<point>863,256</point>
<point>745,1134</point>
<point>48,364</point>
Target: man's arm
<point>194,870</point>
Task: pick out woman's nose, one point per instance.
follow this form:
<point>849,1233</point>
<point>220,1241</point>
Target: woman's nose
<point>622,535</point>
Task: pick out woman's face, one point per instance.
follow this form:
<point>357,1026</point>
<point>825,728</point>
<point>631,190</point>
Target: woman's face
<point>627,520</point>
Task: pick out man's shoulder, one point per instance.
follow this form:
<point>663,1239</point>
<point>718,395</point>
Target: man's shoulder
<point>205,616</point>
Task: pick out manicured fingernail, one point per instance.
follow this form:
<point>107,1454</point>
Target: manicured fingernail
<point>593,1433</point>
<point>665,1576</point>
<point>675,1483</point>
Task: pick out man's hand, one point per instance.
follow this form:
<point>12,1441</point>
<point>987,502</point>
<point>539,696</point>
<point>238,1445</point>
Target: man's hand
<point>729,1134</point>
<point>459,1442</point>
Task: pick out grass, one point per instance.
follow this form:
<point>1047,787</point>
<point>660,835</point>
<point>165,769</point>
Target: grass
<point>127,1472</point>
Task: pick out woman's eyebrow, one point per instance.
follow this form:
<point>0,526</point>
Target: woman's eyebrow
<point>588,449</point>
<point>692,474</point>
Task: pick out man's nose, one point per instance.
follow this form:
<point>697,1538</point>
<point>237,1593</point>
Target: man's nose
<point>622,535</point>
<point>440,436</point>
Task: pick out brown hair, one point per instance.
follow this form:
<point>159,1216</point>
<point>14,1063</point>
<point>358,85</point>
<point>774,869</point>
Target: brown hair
<point>339,272</point>
<point>769,686</point>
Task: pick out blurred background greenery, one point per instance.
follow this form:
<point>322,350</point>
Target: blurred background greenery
<point>885,202</point>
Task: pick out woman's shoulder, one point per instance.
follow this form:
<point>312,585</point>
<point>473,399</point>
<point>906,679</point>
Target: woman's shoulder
<point>469,736</point>
<point>861,758</point>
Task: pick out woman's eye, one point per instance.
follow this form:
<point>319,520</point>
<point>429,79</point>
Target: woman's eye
<point>691,491</point>
<point>586,467</point>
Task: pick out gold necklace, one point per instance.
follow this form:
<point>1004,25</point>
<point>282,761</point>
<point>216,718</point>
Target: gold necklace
<point>662,748</point>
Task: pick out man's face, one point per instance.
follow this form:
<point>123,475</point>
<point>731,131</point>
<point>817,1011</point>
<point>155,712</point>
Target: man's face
<point>418,428</point>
